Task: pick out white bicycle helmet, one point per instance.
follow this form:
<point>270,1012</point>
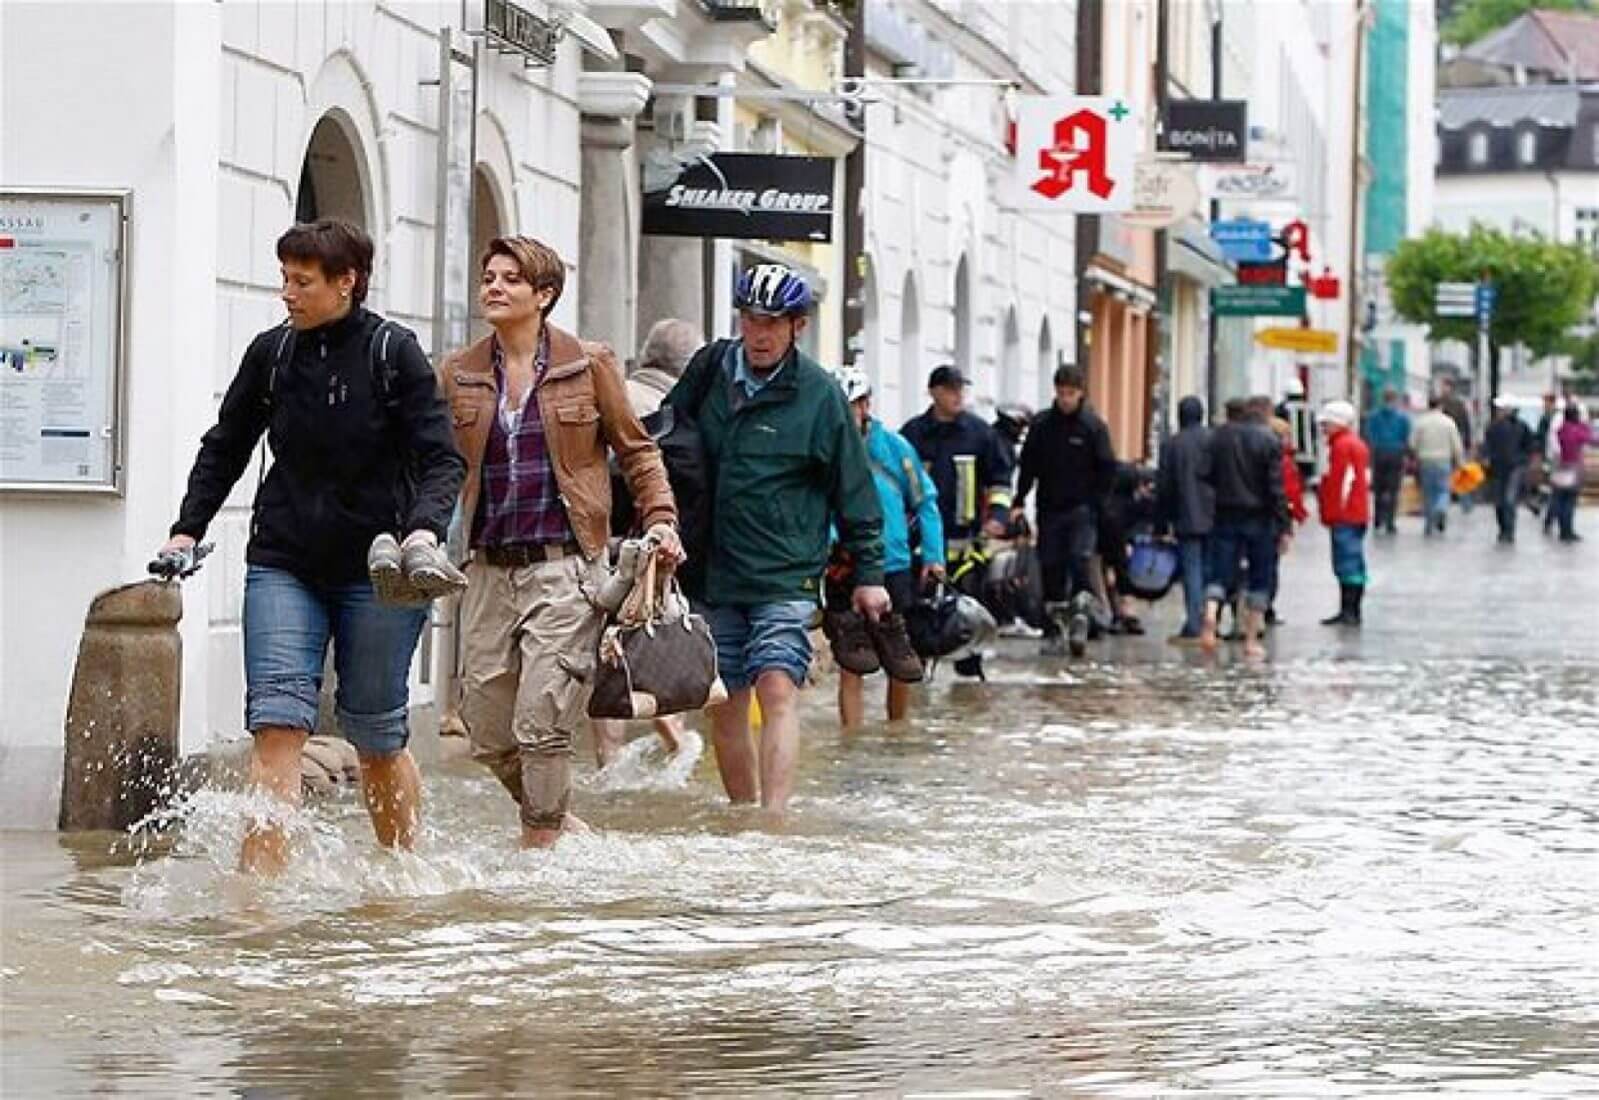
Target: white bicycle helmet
<point>855,382</point>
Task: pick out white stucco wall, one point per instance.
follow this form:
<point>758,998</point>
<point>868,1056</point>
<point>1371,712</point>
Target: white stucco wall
<point>214,106</point>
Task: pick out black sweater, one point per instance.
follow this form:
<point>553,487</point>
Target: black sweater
<point>345,467</point>
<point>1070,457</point>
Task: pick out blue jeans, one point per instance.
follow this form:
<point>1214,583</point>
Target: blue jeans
<point>1193,550</point>
<point>1349,554</point>
<point>287,626</point>
<point>1507,495</point>
<point>1564,506</point>
<point>1255,541</point>
<point>1434,494</point>
<point>764,638</point>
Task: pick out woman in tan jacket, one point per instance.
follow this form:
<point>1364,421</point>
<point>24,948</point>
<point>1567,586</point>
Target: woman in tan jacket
<point>535,413</point>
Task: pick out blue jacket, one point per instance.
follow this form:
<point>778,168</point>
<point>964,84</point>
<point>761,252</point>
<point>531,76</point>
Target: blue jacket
<point>904,489</point>
<point>1388,431</point>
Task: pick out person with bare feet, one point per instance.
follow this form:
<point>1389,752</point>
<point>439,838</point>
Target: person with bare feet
<point>1251,522</point>
<point>536,413</point>
<point>360,439</point>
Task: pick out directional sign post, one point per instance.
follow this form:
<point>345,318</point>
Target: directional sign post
<point>1308,341</point>
<point>1258,301</point>
<point>1455,300</point>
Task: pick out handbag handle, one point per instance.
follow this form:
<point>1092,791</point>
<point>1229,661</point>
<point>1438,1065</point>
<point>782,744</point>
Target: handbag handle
<point>642,606</point>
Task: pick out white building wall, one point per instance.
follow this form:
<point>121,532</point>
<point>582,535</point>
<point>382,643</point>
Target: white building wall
<point>214,107</point>
<point>938,183</point>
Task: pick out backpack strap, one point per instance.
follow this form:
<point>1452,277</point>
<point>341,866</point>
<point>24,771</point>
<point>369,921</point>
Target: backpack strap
<point>282,352</point>
<point>712,355</point>
<point>381,348</point>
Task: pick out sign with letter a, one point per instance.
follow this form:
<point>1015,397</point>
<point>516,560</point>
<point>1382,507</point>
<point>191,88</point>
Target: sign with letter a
<point>1075,154</point>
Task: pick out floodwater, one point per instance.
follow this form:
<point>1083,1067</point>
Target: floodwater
<point>1367,865</point>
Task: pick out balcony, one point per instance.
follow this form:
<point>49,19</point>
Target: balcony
<point>738,11</point>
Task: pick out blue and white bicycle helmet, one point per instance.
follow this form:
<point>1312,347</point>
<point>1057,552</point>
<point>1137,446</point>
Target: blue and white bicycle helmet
<point>772,290</point>
<point>855,382</point>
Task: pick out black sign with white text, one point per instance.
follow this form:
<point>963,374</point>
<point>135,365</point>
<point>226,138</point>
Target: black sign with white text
<point>748,196</point>
<point>1207,129</point>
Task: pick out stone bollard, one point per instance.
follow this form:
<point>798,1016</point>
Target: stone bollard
<point>122,718</point>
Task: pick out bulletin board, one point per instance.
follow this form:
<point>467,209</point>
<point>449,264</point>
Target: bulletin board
<point>63,316</point>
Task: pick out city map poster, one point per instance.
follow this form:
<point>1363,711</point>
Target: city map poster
<point>60,339</point>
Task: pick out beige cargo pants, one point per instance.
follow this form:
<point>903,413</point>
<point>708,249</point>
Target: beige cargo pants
<point>528,656</point>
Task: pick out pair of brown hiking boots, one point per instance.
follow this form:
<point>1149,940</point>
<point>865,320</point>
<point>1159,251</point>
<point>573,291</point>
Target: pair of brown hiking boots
<point>863,646</point>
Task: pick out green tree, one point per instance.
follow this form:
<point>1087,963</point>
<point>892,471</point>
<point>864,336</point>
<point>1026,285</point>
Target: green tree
<point>1544,288</point>
<point>1472,19</point>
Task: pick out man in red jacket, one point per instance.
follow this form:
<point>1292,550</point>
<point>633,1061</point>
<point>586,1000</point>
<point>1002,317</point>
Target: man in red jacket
<point>1345,499</point>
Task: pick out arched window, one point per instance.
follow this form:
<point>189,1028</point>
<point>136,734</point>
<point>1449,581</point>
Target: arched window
<point>330,178</point>
<point>1477,148</point>
<point>1527,146</point>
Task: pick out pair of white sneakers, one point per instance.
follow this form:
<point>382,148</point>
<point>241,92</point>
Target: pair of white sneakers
<point>412,573</point>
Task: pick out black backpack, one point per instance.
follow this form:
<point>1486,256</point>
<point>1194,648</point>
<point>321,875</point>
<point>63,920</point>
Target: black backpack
<point>676,432</point>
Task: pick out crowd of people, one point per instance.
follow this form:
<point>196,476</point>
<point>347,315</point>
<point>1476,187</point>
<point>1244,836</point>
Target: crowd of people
<point>791,504</point>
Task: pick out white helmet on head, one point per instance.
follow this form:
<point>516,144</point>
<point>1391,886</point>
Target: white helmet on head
<point>1293,387</point>
<point>856,383</point>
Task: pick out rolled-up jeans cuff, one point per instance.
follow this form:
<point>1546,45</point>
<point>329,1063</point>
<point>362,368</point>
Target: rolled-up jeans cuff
<point>289,703</point>
<point>382,734</point>
<point>1257,601</point>
<point>1216,593</point>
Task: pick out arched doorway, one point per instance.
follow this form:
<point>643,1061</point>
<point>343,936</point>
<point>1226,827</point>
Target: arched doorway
<point>488,222</point>
<point>1046,365</point>
<point>331,177</point>
<point>1010,362</point>
<point>963,318</point>
<point>912,380</point>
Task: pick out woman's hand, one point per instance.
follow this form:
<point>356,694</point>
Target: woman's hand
<point>669,548</point>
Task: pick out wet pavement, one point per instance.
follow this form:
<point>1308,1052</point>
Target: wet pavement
<point>1367,864</point>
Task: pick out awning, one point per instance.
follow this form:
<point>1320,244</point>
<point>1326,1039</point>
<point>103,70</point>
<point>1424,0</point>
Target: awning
<point>1192,254</point>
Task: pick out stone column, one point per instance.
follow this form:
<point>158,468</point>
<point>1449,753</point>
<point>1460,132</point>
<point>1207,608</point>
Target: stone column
<point>608,278</point>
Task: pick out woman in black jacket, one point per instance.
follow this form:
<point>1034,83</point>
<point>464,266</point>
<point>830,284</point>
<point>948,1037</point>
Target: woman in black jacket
<point>362,450</point>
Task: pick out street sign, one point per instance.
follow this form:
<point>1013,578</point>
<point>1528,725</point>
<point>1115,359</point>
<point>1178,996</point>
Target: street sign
<point>1311,341</point>
<point>1455,299</point>
<point>1243,240</point>
<point>1075,154</point>
<point>1258,301</point>
<point>1487,298</point>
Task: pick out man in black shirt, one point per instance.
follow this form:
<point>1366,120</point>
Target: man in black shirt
<point>1068,455</point>
<point>1252,521</point>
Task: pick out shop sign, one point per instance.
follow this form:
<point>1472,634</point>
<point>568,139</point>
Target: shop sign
<point>1261,182</point>
<point>1258,301</point>
<point>1307,341</point>
<point>1075,154</point>
<point>1273,274</point>
<point>1207,129</point>
<point>746,196</point>
<point>1242,240</point>
<point>1164,193</point>
<point>512,29</point>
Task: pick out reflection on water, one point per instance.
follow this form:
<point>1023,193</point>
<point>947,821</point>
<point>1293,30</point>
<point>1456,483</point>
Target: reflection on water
<point>1312,877</point>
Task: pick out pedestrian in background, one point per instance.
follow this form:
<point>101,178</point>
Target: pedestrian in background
<point>668,347</point>
<point>1436,442</point>
<point>1507,447</point>
<point>1261,412</point>
<point>1388,436</point>
<point>1296,410</point>
<point>1573,436</point>
<point>1187,507</point>
<point>1252,525</point>
<point>1345,500</point>
<point>1548,447</point>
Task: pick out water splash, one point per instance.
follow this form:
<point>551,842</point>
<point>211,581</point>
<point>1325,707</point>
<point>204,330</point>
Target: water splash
<point>645,764</point>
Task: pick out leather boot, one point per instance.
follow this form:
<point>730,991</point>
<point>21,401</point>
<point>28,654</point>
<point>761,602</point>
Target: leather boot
<point>1342,618</point>
<point>1357,593</point>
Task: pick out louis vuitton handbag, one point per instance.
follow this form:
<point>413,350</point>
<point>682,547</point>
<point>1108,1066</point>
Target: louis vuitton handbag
<point>655,657</point>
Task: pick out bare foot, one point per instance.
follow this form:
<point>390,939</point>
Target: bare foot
<point>1207,633</point>
<point>1254,650</point>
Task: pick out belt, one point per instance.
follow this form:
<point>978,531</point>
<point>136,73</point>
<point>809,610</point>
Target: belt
<point>515,554</point>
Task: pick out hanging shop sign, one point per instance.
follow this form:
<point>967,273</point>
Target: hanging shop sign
<point>1261,182</point>
<point>1307,341</point>
<point>1075,154</point>
<point>1324,286</point>
<point>1272,274</point>
<point>1258,301</point>
<point>63,266</point>
<point>745,196</point>
<point>1165,192</point>
<point>1243,241</point>
<point>508,28</point>
<point>1207,129</point>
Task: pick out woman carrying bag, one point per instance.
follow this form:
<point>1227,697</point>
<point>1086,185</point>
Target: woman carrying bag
<point>535,413</point>
<point>362,452</point>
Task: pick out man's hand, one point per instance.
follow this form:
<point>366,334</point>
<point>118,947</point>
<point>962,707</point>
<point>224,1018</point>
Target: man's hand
<point>872,601</point>
<point>1284,541</point>
<point>177,544</point>
<point>669,549</point>
<point>934,572</point>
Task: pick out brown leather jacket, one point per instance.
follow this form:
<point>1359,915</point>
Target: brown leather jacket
<point>584,405</point>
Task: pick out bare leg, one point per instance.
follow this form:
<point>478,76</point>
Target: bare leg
<point>779,738</point>
<point>851,700</point>
<point>1254,630</point>
<point>392,788</point>
<point>274,770</point>
<point>1207,631</point>
<point>609,736</point>
<point>670,731</point>
<point>735,748</point>
<point>899,701</point>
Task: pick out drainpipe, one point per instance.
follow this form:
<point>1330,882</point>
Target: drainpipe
<point>1357,124</point>
<point>1213,368</point>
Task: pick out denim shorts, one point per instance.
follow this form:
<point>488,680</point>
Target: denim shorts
<point>288,624</point>
<point>764,638</point>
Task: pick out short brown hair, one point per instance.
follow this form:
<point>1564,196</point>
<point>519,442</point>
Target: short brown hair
<point>336,245</point>
<point>540,264</point>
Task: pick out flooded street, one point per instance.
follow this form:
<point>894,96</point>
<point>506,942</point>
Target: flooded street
<point>1368,865</point>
